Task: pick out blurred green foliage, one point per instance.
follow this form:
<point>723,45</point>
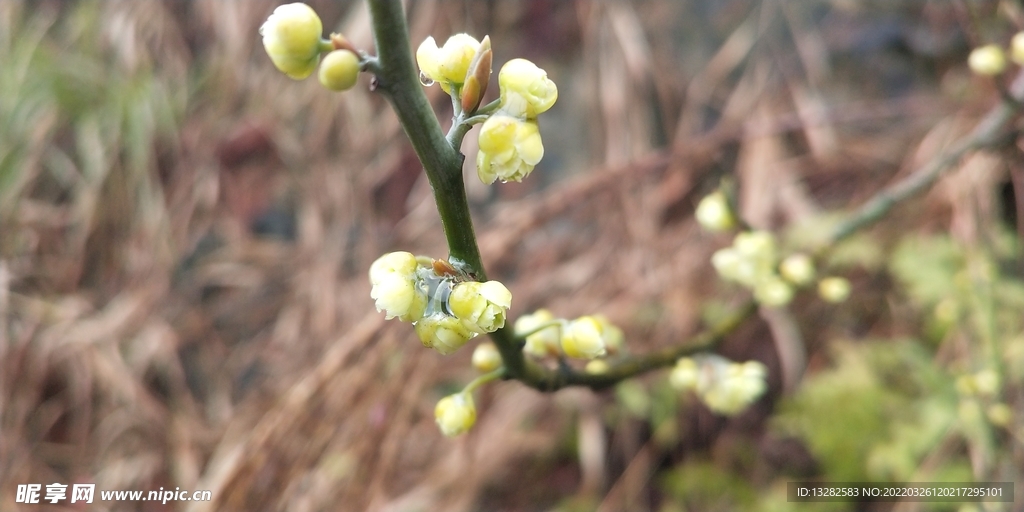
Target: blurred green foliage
<point>82,118</point>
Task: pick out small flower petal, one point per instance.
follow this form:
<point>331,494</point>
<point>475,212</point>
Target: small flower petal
<point>481,306</point>
<point>525,88</point>
<point>448,64</point>
<point>443,333</point>
<point>510,148</point>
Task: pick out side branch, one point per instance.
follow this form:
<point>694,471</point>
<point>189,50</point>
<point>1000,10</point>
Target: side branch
<point>989,133</point>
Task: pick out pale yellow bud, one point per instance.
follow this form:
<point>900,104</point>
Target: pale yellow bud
<point>1000,414</point>
<point>597,367</point>
<point>486,357</point>
<point>1017,48</point>
<point>773,291</point>
<point>713,213</point>
<point>525,88</point>
<point>733,266</point>
<point>582,338</point>
<point>291,36</point>
<point>448,64</point>
<point>988,60</point>
<point>738,386</point>
<point>834,289</point>
<point>544,342</point>
<point>481,306</point>
<point>685,375</point>
<point>396,289</point>
<point>610,334</point>
<point>509,149</point>
<point>455,414</point>
<point>339,70</point>
<point>797,268</point>
<point>443,333</point>
<point>986,382</point>
<point>757,245</point>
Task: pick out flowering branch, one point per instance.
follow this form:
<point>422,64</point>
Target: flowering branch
<point>451,301</point>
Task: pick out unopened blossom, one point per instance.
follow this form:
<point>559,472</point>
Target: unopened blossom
<point>509,149</point>
<point>291,36</point>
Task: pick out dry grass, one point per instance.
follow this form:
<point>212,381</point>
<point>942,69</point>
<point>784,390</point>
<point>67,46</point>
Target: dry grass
<point>151,337</point>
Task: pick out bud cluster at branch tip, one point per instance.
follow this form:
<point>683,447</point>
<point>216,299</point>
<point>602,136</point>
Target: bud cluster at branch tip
<point>724,386</point>
<point>587,337</point>
<point>510,145</point>
<point>446,311</point>
<point>292,38</point>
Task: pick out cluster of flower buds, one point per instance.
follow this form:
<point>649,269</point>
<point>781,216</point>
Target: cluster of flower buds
<point>724,386</point>
<point>990,60</point>
<point>751,262</point>
<point>980,388</point>
<point>510,143</point>
<point>587,337</point>
<point>292,37</point>
<point>446,310</point>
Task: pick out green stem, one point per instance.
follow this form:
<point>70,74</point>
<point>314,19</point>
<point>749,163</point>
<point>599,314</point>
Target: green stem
<point>398,81</point>
<point>484,379</point>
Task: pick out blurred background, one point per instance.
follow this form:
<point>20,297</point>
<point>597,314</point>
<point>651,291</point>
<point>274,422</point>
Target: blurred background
<point>185,235</point>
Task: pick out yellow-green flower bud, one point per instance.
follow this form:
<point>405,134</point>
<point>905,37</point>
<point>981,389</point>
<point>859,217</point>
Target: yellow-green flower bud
<point>443,333</point>
<point>610,334</point>
<point>544,342</point>
<point>486,357</point>
<point>583,338</point>
<point>737,387</point>
<point>1000,414</point>
<point>396,288</point>
<point>455,414</point>
<point>291,36</point>
<point>731,266</point>
<point>988,60</point>
<point>685,375</point>
<point>773,291</point>
<point>986,382</point>
<point>834,289</point>
<point>713,213</point>
<point>509,149</point>
<point>757,245</point>
<point>339,70</point>
<point>447,65</point>
<point>597,367</point>
<point>525,89</point>
<point>798,269</point>
<point>481,306</point>
<point>965,385</point>
<point>1017,48</point>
